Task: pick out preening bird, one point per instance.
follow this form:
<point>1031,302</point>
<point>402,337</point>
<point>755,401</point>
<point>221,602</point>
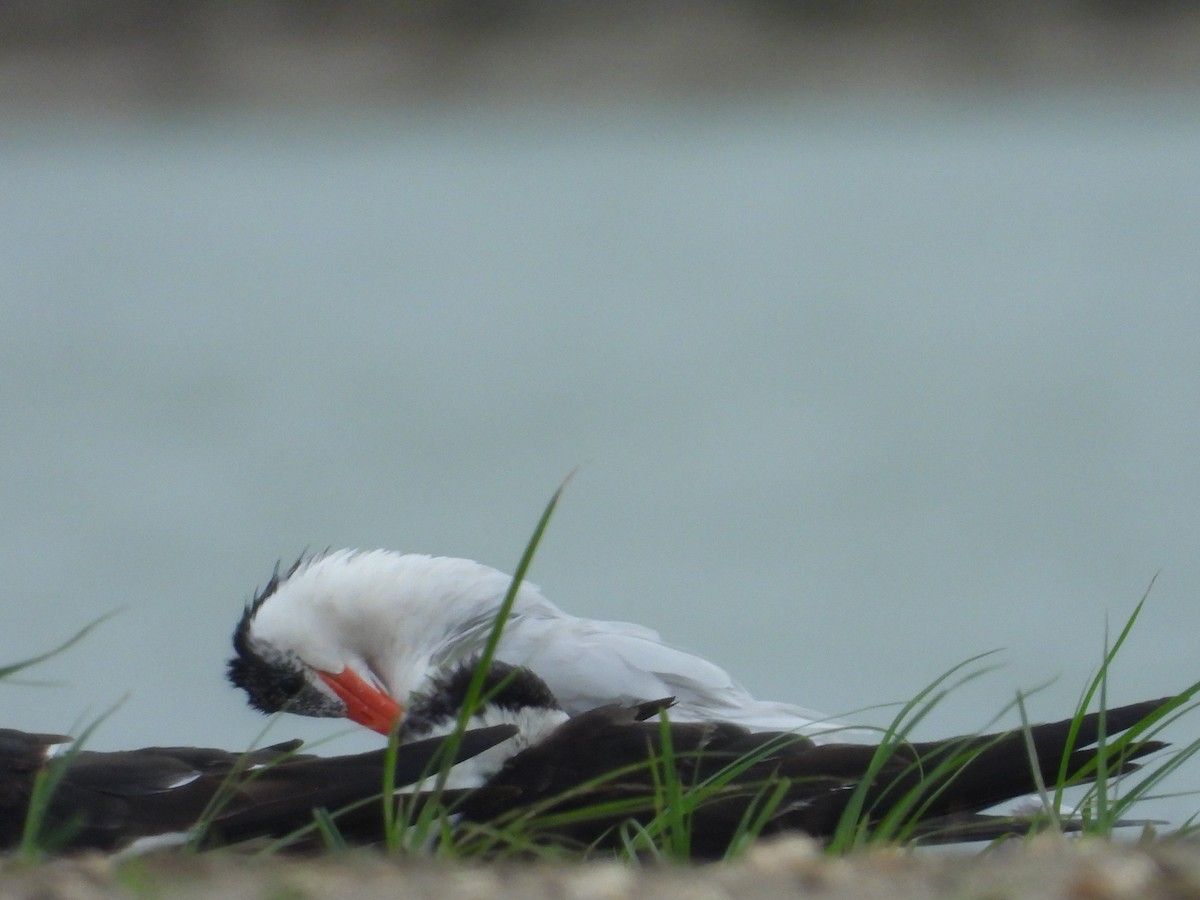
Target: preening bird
<point>355,634</point>
<point>390,640</point>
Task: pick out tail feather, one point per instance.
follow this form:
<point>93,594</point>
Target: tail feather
<point>1002,766</point>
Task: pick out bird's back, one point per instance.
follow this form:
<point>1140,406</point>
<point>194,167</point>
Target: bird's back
<point>588,663</point>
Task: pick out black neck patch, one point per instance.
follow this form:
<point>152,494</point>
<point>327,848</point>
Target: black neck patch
<point>505,686</point>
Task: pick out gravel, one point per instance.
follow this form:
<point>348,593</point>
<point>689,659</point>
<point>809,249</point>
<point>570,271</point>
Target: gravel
<point>1046,867</point>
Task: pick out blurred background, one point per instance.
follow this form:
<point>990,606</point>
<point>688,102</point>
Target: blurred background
<point>872,329</point>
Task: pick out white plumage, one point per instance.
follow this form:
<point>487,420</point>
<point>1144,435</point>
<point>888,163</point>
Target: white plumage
<point>397,620</point>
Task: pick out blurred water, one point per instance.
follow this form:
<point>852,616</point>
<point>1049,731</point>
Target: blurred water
<point>858,388</point>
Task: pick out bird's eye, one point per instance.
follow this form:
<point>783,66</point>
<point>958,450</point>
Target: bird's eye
<point>292,685</point>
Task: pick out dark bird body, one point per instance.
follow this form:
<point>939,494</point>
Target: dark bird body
<point>945,784</point>
<point>609,755</point>
<point>106,801</point>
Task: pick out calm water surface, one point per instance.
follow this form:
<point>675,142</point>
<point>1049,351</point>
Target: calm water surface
<point>856,389</point>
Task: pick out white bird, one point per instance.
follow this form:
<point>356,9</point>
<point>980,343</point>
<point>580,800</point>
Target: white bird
<point>356,633</point>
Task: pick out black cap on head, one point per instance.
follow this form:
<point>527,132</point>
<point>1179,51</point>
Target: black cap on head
<point>275,680</point>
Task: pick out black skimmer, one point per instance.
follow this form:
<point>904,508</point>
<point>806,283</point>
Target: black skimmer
<point>110,800</point>
<point>613,757</point>
<point>353,633</point>
<point>530,763</point>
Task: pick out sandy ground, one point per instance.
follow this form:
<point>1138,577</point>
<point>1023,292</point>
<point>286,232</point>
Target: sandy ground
<point>1048,867</point>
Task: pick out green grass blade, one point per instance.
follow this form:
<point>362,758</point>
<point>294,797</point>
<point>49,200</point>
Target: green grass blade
<point>330,834</point>
<point>853,826</point>
<point>13,668</point>
<point>418,830</point>
<point>35,839</point>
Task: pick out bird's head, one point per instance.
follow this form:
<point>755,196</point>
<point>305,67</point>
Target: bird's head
<point>351,634</point>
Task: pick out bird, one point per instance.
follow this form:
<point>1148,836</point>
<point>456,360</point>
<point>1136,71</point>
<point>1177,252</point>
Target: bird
<point>113,800</point>
<point>531,774</point>
<point>352,633</point>
<point>613,760</point>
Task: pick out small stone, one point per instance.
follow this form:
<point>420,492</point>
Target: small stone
<point>784,856</point>
<point>600,881</point>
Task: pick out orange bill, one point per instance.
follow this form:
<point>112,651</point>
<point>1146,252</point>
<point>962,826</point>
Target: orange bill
<point>365,703</point>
